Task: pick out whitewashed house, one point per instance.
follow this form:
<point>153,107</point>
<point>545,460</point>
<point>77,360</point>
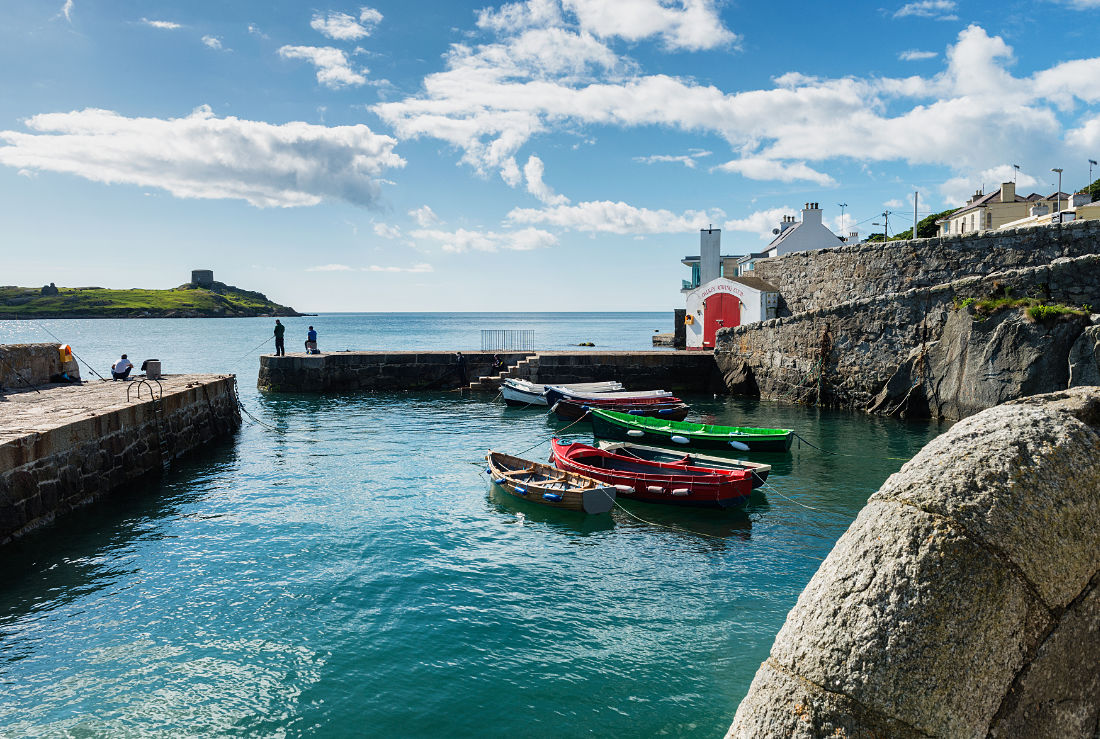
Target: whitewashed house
<point>805,235</point>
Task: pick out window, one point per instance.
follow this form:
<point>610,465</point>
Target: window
<point>989,219</point>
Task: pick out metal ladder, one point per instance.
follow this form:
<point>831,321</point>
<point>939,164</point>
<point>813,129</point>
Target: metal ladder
<point>158,413</point>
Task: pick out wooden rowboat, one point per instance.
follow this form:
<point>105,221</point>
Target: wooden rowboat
<point>554,393</point>
<point>759,470</point>
<point>522,393</point>
<point>669,483</point>
<point>545,485</point>
<point>674,408</point>
<point>625,427</point>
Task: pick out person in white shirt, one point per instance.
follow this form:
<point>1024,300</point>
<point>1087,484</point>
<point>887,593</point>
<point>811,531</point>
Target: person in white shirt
<point>121,369</point>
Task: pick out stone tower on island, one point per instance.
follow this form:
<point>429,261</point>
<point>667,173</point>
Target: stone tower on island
<point>202,277</point>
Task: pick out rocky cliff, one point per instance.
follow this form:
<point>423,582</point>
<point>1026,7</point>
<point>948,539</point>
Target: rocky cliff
<point>925,351</point>
<point>965,598</point>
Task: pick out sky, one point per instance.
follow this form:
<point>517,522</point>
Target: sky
<point>546,155</point>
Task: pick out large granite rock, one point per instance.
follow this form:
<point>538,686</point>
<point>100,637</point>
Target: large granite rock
<point>1084,357</point>
<point>963,601</point>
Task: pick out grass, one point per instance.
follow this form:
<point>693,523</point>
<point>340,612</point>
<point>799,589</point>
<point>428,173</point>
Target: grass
<point>1036,309</point>
<point>98,302</point>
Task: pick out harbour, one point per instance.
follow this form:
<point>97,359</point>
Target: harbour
<point>350,558</point>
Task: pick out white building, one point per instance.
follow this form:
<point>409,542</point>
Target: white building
<point>805,235</point>
<point>721,301</point>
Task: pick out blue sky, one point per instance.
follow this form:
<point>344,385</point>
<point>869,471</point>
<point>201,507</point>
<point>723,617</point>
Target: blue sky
<point>539,155</point>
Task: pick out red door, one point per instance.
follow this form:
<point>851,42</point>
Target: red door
<point>720,310</point>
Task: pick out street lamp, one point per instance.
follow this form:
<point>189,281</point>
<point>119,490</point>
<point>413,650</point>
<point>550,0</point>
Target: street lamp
<point>1015,171</point>
<point>1059,194</point>
<point>844,231</point>
<point>1092,162</point>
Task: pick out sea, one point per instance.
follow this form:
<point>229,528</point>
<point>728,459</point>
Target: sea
<point>343,567</point>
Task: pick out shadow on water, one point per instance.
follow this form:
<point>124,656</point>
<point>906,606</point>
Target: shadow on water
<point>571,522</point>
<point>709,524</point>
<point>87,549</point>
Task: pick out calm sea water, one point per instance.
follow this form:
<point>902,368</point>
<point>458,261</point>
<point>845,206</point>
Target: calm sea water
<point>354,575</point>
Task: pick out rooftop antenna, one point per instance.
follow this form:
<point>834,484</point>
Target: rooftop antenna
<point>843,230</point>
<point>1015,171</point>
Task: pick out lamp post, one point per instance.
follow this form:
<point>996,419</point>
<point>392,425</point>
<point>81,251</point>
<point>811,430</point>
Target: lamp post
<point>1015,171</point>
<point>1058,197</point>
<point>1092,163</point>
<point>843,229</point>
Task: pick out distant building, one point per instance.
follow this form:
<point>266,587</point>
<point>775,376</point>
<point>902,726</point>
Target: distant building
<point>1078,208</point>
<point>989,211</point>
<point>716,297</point>
<point>809,234</point>
<point>202,277</point>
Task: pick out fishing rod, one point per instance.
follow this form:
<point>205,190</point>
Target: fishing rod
<point>59,341</point>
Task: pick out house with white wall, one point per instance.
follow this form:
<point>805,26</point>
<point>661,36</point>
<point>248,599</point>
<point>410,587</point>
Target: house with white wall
<point>808,234</point>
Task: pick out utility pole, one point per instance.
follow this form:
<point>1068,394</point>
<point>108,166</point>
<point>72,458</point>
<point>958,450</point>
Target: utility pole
<point>1058,196</point>
<point>885,226</point>
<point>916,195</point>
<point>1015,171</point>
<point>843,224</point>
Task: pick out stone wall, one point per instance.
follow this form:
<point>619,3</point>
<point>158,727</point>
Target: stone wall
<point>871,353</point>
<point>340,371</point>
<point>343,371</point>
<point>47,473</point>
<point>27,365</point>
<point>817,279</point>
<point>964,601</point>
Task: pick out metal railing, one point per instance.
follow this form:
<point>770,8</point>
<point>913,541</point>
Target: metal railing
<point>507,340</point>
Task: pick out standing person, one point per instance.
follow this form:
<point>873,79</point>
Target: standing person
<point>120,370</point>
<point>280,348</point>
<point>311,342</point>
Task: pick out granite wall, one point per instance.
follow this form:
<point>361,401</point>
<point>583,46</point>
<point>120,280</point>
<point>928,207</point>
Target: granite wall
<point>818,279</point>
<point>47,473</point>
<point>27,365</point>
<point>869,353</point>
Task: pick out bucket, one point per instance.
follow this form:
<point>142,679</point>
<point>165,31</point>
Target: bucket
<point>152,369</point>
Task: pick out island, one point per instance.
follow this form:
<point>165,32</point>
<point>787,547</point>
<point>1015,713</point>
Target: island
<point>202,297</point>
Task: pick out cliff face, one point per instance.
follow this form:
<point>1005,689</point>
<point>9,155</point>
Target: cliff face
<point>965,598</point>
<point>917,351</point>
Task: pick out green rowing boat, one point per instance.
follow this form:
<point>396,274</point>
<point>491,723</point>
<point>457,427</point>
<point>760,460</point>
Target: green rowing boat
<point>626,427</point>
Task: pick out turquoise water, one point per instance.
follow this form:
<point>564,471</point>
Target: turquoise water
<point>355,575</point>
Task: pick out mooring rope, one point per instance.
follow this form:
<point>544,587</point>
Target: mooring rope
<point>810,444</point>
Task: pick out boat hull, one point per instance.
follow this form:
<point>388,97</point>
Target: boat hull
<point>571,410</point>
<point>622,427</point>
<point>654,482</point>
<point>545,485</point>
<point>521,393</point>
<point>554,393</point>
<point>759,470</point>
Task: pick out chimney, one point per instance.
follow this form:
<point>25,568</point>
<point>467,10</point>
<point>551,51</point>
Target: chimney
<point>853,237</point>
<point>1008,192</point>
<point>811,213</point>
<point>710,255</point>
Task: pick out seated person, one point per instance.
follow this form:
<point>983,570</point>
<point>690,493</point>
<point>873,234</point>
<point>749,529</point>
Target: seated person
<point>498,364</point>
<point>120,370</point>
<point>311,342</point>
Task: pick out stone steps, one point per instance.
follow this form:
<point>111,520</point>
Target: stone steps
<point>524,369</point>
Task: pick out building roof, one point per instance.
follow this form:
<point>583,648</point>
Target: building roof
<point>750,257</point>
<point>994,197</point>
<point>755,283</point>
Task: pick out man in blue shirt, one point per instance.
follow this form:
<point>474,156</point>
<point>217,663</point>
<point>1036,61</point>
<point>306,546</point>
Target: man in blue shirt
<point>311,342</point>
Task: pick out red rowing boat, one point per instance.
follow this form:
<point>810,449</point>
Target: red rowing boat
<point>673,483</point>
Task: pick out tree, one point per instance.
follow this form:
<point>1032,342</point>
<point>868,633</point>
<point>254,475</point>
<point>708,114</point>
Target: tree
<point>1093,190</point>
<point>927,228</point>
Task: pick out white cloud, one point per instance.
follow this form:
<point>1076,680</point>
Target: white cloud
<point>915,55</point>
<point>609,217</point>
<point>957,190</point>
<point>491,100</point>
<point>344,27</point>
<point>533,171</point>
<point>329,268</point>
<point>212,41</point>
<point>333,69</point>
<point>425,216</point>
<point>67,10</point>
<point>164,25</point>
<point>942,10</point>
<point>416,268</point>
<point>760,168</point>
<point>893,203</point>
<point>255,31</point>
<point>760,223</point>
<point>463,240</point>
<point>688,160</point>
<point>387,231</point>
<point>686,24</point>
<point>203,156</point>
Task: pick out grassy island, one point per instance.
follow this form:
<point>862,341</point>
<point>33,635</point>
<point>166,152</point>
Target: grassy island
<point>215,300</point>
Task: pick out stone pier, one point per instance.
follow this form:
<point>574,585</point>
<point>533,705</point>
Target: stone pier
<point>66,445</point>
<point>683,371</point>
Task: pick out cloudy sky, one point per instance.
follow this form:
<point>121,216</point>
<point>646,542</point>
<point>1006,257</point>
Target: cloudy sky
<point>538,155</point>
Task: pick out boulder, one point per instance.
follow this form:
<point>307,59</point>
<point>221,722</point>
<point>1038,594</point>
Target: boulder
<point>1084,357</point>
<point>965,598</point>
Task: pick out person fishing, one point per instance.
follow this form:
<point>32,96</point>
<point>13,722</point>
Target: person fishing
<point>120,370</point>
<point>280,348</point>
<point>311,342</point>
